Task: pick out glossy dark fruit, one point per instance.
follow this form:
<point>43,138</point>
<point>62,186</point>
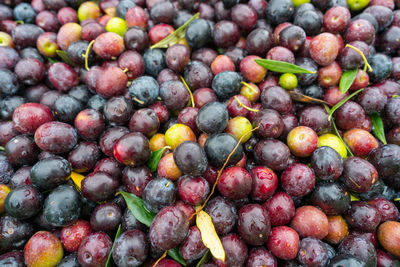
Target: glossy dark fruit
<point>235,183</point>
<point>89,123</point>
<point>324,48</point>
<point>331,198</point>
<point>264,183</point>
<point>198,75</point>
<point>258,42</point>
<point>212,118</point>
<point>136,179</point>
<point>219,146</point>
<point>118,110</point>
<point>71,236</point>
<point>360,248</point>
<point>226,33</point>
<point>346,260</point>
<point>382,67</point>
<point>159,193</point>
<point>129,222</point>
<point>358,174</point>
<point>109,137</point>
<point>192,247</point>
<point>386,208</point>
<point>49,246</point>
<point>70,260</point>
<point>312,252</point>
<point>392,110</point>
<point>13,258</point>
<point>349,115</point>
<point>8,105</point>
<point>21,150</point>
<point>174,95</point>
<point>226,84</point>
<point>309,20</point>
<point>269,122</point>
<point>360,142</point>
<point>190,158</point>
<point>94,250</point>
<point>283,242</point>
<point>235,251</point>
<point>385,259</point>
<point>280,208</point>
<point>154,60</point>
<point>278,12</point>
<point>385,159</point>
<point>198,33</point>
<point>130,249</point>
<point>56,137</point>
<point>50,172</point>
<point>327,163</point>
<point>193,190</point>
<point>23,202</point>
<point>25,35</point>
<point>99,186</point>
<point>62,206</point>
<point>105,217</point>
<point>169,228</point>
<point>382,14</point>
<point>66,108</point>
<point>261,256</point>
<point>253,224</point>
<point>387,236</point>
<point>132,149</point>
<point>62,76</point>
<point>349,58</point>
<point>144,91</point>
<point>7,132</point>
<point>363,216</point>
<point>223,214</point>
<point>310,221</point>
<point>14,233</point>
<point>144,121</point>
<point>298,180</point>
<point>272,153</point>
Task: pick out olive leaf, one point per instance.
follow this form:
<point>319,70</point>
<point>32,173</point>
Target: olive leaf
<point>340,137</point>
<point>204,259</point>
<point>209,236</point>
<point>281,67</point>
<point>136,206</point>
<point>64,56</point>
<point>119,232</point>
<point>1,148</point>
<point>347,80</point>
<point>174,37</point>
<point>299,97</point>
<point>174,253</point>
<point>341,103</point>
<point>377,127</point>
<point>77,179</point>
<point>51,60</point>
<point>155,157</point>
<point>394,96</point>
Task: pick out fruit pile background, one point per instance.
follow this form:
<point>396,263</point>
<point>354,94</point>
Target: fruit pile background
<point>213,133</point>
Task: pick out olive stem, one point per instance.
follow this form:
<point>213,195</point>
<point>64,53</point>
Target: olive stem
<point>246,107</point>
<point>190,92</point>
<point>364,58</point>
<point>220,172</point>
<point>87,55</point>
<point>160,258</point>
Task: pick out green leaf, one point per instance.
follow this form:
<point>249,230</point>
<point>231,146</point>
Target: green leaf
<point>136,206</point>
<point>341,102</point>
<point>119,232</point>
<point>155,157</point>
<point>394,96</point>
<point>64,56</point>
<point>204,259</point>
<point>174,37</point>
<point>347,80</point>
<point>281,67</point>
<point>51,60</point>
<point>377,127</point>
<point>174,253</point>
<point>1,148</point>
